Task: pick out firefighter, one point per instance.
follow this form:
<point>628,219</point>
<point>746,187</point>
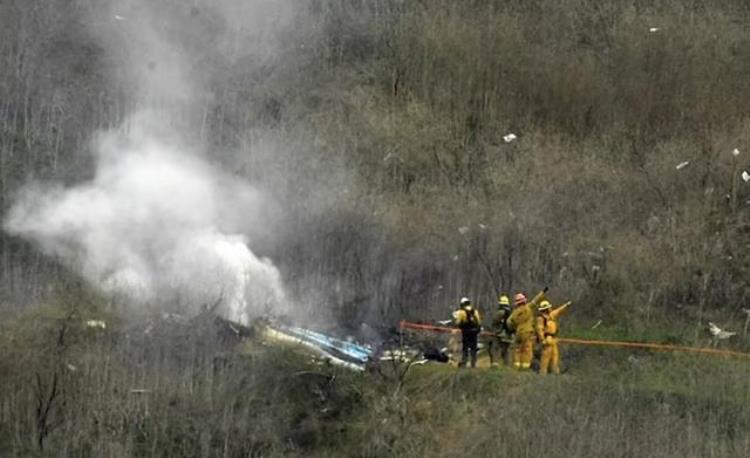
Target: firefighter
<point>467,319</point>
<point>499,344</point>
<point>546,331</point>
<point>521,322</point>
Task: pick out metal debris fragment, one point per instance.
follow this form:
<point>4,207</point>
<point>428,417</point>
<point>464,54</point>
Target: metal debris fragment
<point>99,324</point>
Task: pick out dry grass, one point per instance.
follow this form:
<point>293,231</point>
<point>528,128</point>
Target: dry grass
<point>156,387</point>
<point>379,139</point>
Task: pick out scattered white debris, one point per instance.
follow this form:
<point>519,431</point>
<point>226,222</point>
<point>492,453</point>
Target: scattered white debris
<point>596,268</point>
<point>96,324</point>
<point>482,226</point>
<point>654,29</point>
<point>120,18</point>
<point>455,258</point>
<point>387,157</point>
<point>509,138</point>
<point>71,367</point>
<point>399,355</point>
<point>719,333</point>
<point>745,176</point>
<point>735,152</point>
<point>682,165</point>
<point>444,322</point>
<point>597,324</point>
<point>234,329</point>
<point>463,230</point>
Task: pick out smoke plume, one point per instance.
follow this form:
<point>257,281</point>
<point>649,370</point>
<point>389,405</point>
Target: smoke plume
<point>158,222</point>
<point>154,223</point>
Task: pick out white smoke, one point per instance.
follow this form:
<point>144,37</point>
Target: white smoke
<point>155,222</point>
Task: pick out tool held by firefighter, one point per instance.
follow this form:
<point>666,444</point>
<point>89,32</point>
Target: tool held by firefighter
<point>499,342</point>
<point>546,330</point>
<point>521,322</point>
<point>468,320</point>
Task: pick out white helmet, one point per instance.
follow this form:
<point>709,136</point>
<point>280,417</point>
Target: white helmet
<point>465,300</point>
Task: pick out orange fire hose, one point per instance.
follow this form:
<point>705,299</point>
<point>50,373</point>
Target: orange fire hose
<point>604,343</point>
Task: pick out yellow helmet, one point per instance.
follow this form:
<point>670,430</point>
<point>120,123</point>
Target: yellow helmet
<point>504,300</point>
<point>544,305</point>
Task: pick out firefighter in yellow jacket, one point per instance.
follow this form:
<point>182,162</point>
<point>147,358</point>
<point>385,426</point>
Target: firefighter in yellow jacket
<point>468,320</point>
<point>546,332</point>
<point>521,322</point>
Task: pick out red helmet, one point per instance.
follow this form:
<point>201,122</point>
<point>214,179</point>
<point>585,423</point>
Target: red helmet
<point>520,298</point>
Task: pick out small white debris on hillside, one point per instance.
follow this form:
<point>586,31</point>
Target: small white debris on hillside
<point>735,152</point>
<point>633,360</point>
<point>682,165</point>
<point>509,137</point>
<point>719,333</point>
<point>97,324</point>
<point>745,176</point>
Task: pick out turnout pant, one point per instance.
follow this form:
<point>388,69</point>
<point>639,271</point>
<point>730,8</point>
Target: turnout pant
<point>550,357</point>
<point>499,349</point>
<point>469,340</point>
<point>523,351</point>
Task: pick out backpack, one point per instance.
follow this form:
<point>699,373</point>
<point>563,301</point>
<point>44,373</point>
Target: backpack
<point>471,321</point>
<point>502,320</point>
